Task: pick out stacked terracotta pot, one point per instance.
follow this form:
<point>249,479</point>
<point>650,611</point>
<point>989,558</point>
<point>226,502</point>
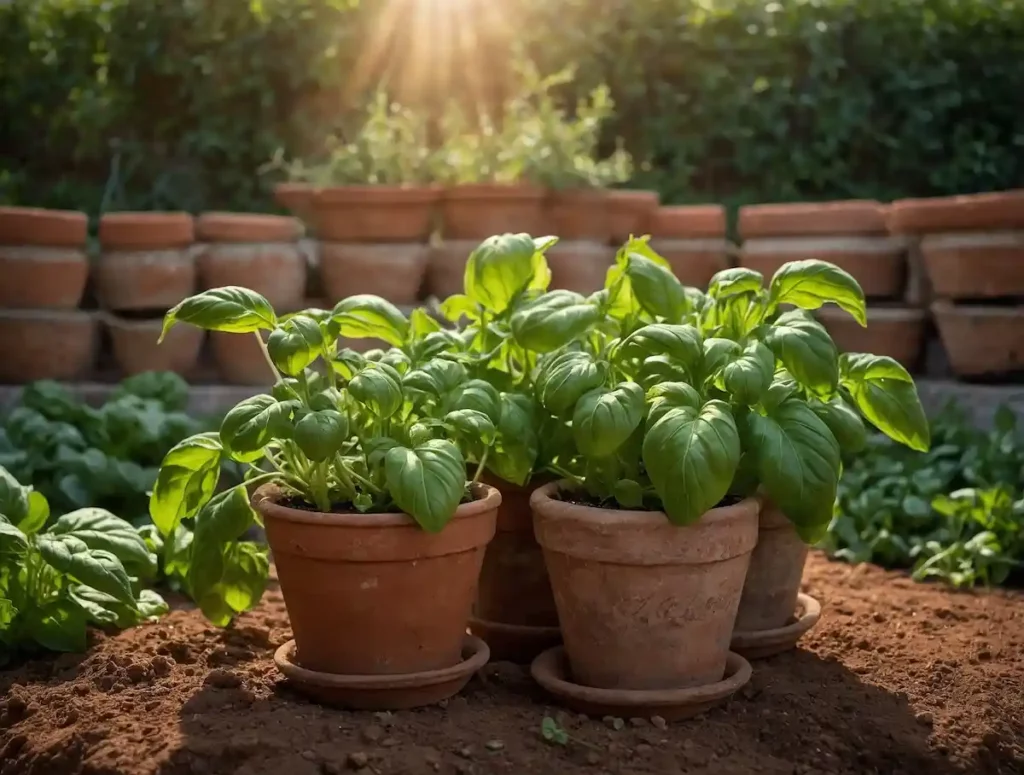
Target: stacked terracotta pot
<point>692,239</point>
<point>973,252</point>
<point>147,265</point>
<point>43,272</point>
<point>854,236</point>
<point>581,219</point>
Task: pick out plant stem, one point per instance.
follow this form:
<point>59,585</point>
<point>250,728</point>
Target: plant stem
<point>480,467</point>
<point>266,356</point>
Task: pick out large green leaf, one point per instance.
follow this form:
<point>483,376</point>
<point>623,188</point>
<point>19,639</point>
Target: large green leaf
<point>811,283</point>
<point>734,281</point>
<point>671,395</point>
<point>604,418</point>
<point>517,444</point>
<point>320,434</point>
<point>501,268</point>
<point>844,422</point>
<point>187,479</point>
<point>245,568</point>
<point>680,343</point>
<point>12,540</point>
<point>691,456</point>
<point>481,396</point>
<point>471,425</point>
<point>553,320</point>
<point>220,522</point>
<point>656,288</point>
<point>59,625</point>
<point>747,376</point>
<point>437,377</point>
<point>97,568</point>
<point>378,387</point>
<point>805,349</point>
<point>254,423</point>
<point>566,377</point>
<point>13,498</point>
<point>99,529</point>
<point>427,482</point>
<point>295,344</point>
<point>366,316</point>
<point>233,309</point>
<point>887,396</point>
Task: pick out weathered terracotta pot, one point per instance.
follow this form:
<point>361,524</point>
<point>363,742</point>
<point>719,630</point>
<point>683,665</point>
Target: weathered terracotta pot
<point>374,594</point>
<point>974,265</point>
<point>446,268</point>
<point>981,341</point>
<point>375,213</point>
<point>688,222</point>
<point>579,266</point>
<point>34,226</point>
<point>146,231</point>
<point>898,332</point>
<point>644,604</point>
<point>42,258</point>
<point>393,271</point>
<point>479,210</point>
<point>877,262</point>
<point>136,350</point>
<point>46,344</point>
<point>239,359</point>
<point>580,214</point>
<point>296,198</point>
<point>259,252</point>
<point>805,219</point>
<point>695,261</point>
<point>773,579</point>
<point>973,212</point>
<point>630,213</point>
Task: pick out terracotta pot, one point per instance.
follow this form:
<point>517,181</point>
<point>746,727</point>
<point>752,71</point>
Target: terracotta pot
<point>145,279</point>
<point>981,341</point>
<point>480,210</point>
<point>393,271</point>
<point>644,604</point>
<point>247,228</point>
<point>688,222</point>
<point>898,332</point>
<point>296,198</point>
<point>630,213</point>
<point>579,266</point>
<point>136,350</point>
<point>405,592</point>
<point>239,359</point>
<point>773,579</point>
<point>805,219</point>
<point>974,212</point>
<point>446,268</point>
<point>42,277</point>
<point>46,344</point>
<point>146,231</point>
<point>974,265</point>
<point>580,214</point>
<point>878,263</point>
<point>375,213</point>
<point>35,227</point>
<point>694,261</point>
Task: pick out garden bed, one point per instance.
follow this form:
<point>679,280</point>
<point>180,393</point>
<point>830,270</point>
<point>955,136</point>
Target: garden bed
<point>897,678</point>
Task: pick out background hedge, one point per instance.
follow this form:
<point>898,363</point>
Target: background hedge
<point>115,104</point>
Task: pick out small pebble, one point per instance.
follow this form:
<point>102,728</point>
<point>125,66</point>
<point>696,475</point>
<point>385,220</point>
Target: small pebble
<point>614,722</point>
<point>223,679</point>
<point>659,722</point>
<point>593,758</point>
<point>925,718</point>
<point>644,749</point>
<point>466,752</point>
<point>357,760</point>
<point>638,722</point>
<point>494,745</point>
<point>389,742</point>
<point>373,733</point>
<point>309,756</point>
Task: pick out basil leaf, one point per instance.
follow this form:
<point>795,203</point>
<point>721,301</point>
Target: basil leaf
<point>472,425</point>
<point>58,626</point>
<point>671,395</point>
<point>220,522</point>
<point>295,344</point>
<point>427,482</point>
<point>99,529</point>
<point>681,343</point>
<point>97,568</point>
<point>458,306</point>
<point>734,281</point>
<point>811,283</point>
<point>13,498</point>
<point>747,376</point>
<point>366,316</point>
<point>481,396</point>
<point>887,397</point>
<point>254,423</point>
<point>805,349</point>
<point>320,434</point>
<point>846,425</point>
<point>517,444</point>
<point>12,540</point>
<point>717,353</point>
<point>656,288</point>
<point>500,269</point>
<point>566,377</point>
<point>187,479</point>
<point>232,309</point>
<point>437,377</point>
<point>604,418</point>
<point>379,388</point>
<point>553,320</point>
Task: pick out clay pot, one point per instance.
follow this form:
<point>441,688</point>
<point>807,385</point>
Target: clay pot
<point>145,279</point>
<point>46,344</point>
<point>898,332</point>
<point>35,227</point>
<point>694,261</point>
<point>805,219</point>
<point>393,271</point>
<point>296,198</point>
<point>644,604</point>
<point>580,214</point>
<point>981,341</point>
<point>259,252</point>
<point>136,349</point>
<point>42,258</point>
<point>446,269</point>
<point>877,263</point>
<point>773,579</point>
<point>375,213</point>
<point>374,594</point>
<point>630,213</point>
<point>974,212</point>
<point>239,359</point>
<point>975,265</point>
<point>146,231</point>
<point>480,210</point>
<point>579,266</point>
<point>688,222</point>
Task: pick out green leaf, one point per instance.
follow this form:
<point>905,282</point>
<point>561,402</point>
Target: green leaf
<point>691,456</point>
<point>58,626</point>
<point>254,423</point>
<point>7,614</point>
<point>232,309</point>
<point>246,570</point>
<point>421,323</point>
<point>680,343</point>
<point>748,376</point>
<point>660,368</point>
<point>886,395</point>
<point>378,387</point>
<point>38,513</point>
<point>499,270</point>
<point>846,425</point>
<point>458,306</point>
<point>105,610</point>
<point>797,460</point>
<point>811,283</point>
<point>472,425</point>
<point>12,540</point>
<point>553,320</point>
<point>628,494</point>
<point>366,316</point>
<point>221,521</point>
<point>187,480</point>
<point>805,349</point>
<point>718,352</point>
<point>427,482</point>
<point>14,502</point>
<point>97,568</point>
<point>295,344</point>
<point>321,434</point>
<point>481,396</point>
<point>656,288</point>
<point>517,444</point>
<point>734,281</point>
<point>604,418</point>
<point>99,529</point>
<point>437,377</point>
<point>671,395</point>
<point>566,377</point>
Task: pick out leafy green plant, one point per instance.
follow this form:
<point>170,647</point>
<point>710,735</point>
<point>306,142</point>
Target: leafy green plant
<point>368,433</point>
<point>88,567</point>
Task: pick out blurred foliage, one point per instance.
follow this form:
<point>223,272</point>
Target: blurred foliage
<point>119,104</point>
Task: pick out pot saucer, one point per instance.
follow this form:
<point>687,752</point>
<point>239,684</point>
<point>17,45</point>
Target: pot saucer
<point>766,643</point>
<point>518,643</point>
<point>383,692</point>
<point>551,671</point>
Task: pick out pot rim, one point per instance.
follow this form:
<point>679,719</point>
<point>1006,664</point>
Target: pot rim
<point>500,191</point>
<point>367,194</point>
<point>264,500</point>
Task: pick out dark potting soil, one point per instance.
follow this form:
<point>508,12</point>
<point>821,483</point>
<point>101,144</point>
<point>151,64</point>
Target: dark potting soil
<point>896,678</point>
<point>585,499</point>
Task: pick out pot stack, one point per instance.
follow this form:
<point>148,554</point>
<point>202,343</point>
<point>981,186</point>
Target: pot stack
<point>973,253</point>
<point>43,273</point>
<point>693,240</point>
<point>853,235</point>
<point>581,219</point>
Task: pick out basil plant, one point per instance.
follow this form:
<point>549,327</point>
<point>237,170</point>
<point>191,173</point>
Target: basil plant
<point>373,432</point>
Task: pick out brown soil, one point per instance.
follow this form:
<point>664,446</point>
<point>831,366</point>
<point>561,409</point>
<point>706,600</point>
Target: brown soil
<point>896,678</point>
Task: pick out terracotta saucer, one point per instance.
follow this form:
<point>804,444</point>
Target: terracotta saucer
<point>766,643</point>
<point>551,671</point>
<point>383,692</point>
<point>518,643</point>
